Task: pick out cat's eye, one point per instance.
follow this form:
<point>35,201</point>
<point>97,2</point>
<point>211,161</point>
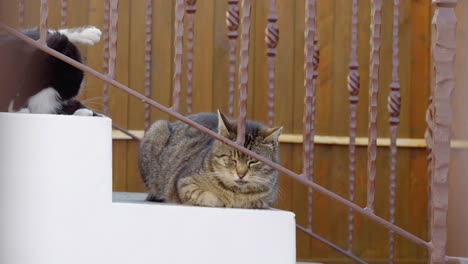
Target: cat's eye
<point>227,160</point>
<point>253,163</point>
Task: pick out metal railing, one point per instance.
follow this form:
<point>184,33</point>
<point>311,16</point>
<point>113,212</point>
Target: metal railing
<point>438,114</point>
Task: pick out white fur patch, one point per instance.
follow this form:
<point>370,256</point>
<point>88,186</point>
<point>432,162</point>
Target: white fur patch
<point>46,101</point>
<point>10,106</point>
<point>24,111</point>
<point>86,36</point>
<point>83,112</point>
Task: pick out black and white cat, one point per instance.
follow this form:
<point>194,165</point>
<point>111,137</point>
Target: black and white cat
<point>34,82</point>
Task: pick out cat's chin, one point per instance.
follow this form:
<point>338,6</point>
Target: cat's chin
<point>244,186</point>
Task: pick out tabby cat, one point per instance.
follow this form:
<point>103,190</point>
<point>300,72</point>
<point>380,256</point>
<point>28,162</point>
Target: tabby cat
<point>180,164</point>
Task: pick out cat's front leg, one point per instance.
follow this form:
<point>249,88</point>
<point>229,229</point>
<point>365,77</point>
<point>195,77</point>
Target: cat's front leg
<point>259,204</point>
<point>190,193</point>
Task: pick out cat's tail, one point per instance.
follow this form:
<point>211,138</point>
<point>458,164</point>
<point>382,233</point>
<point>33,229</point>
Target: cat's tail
<point>88,35</point>
<point>151,146</point>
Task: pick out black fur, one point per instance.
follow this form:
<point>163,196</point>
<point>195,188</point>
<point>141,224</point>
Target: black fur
<point>26,70</point>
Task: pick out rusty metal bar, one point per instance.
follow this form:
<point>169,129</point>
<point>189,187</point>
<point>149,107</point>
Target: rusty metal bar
<point>63,13</point>
<point>394,103</point>
<point>105,89</point>
<point>243,70</point>
<point>376,21</point>
<point>271,39</point>
<point>330,244</point>
<point>310,65</point>
<point>232,21</point>
<point>456,260</point>
<point>43,21</point>
<point>190,9</point>
<point>440,121</point>
<point>148,58</point>
<point>178,52</point>
<point>114,20</point>
<point>125,131</point>
<point>216,136</point>
<point>21,12</point>
<point>353,88</point>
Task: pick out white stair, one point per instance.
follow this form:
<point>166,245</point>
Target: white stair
<point>57,206</point>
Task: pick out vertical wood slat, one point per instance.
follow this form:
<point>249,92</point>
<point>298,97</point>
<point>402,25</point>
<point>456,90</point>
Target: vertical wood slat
<point>353,88</point>
<point>105,89</point>
<point>178,52</point>
<point>190,9</point>
<point>394,103</point>
<point>243,70</point>
<point>271,39</point>
<point>310,71</point>
<point>148,58</point>
<point>232,21</point>
<point>63,13</point>
<point>376,21</point>
<point>439,122</point>
<point>43,21</point>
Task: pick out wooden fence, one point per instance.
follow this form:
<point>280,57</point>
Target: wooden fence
<point>210,92</point>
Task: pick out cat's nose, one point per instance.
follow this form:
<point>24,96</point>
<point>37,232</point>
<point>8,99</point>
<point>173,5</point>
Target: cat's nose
<point>241,174</point>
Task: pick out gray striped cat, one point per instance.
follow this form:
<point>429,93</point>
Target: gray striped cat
<point>180,164</point>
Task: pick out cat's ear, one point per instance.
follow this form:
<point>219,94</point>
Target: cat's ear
<point>224,125</point>
<point>271,135</point>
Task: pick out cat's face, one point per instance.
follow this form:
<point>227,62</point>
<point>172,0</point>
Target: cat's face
<point>240,172</point>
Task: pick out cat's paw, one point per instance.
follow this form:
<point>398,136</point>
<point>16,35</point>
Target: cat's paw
<point>24,111</point>
<point>83,112</point>
<point>209,199</point>
<point>191,194</point>
<point>257,204</point>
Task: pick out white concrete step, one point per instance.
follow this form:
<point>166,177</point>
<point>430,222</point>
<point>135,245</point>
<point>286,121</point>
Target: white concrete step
<point>57,206</point>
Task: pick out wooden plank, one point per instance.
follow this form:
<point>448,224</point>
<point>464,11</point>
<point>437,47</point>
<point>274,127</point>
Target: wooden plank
<point>299,197</point>
<point>136,27</point>
<point>162,46</point>
<point>136,72</point>
<point>32,11</point>
<point>338,179</point>
<point>220,95</point>
<point>283,93</point>
<point>9,12</point>
<point>203,58</point>
<point>259,84</point>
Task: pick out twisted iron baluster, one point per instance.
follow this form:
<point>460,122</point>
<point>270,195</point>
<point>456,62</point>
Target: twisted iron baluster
<point>439,123</point>
<point>243,71</point>
<point>179,35</point>
<point>191,9</point>
<point>376,21</point>
<point>353,88</point>
<point>105,89</point>
<point>232,21</point>
<point>310,68</point>
<point>271,39</point>
<point>394,103</point>
<point>43,21</point>
<point>63,13</point>
<point>148,58</point>
<point>21,12</point>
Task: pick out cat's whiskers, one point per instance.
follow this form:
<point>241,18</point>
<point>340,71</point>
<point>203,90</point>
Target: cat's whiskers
<point>93,99</point>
